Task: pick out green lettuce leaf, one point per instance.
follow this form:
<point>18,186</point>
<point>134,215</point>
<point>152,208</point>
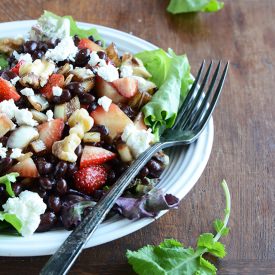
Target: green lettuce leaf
<point>3,61</point>
<point>181,6</point>
<point>11,219</point>
<point>7,180</point>
<point>171,74</point>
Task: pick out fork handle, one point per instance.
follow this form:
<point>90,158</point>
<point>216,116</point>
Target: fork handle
<point>67,253</point>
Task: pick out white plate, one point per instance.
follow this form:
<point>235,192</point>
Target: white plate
<point>187,165</point>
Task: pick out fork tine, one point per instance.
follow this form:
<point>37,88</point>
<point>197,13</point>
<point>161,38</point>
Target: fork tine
<point>203,104</point>
<point>197,98</point>
<point>186,101</point>
<point>214,101</point>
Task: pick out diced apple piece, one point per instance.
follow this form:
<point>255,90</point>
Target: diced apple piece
<point>126,86</point>
<point>26,168</point>
<point>60,111</point>
<point>22,136</point>
<point>124,152</point>
<point>38,102</point>
<point>115,119</point>
<point>88,85</point>
<point>139,122</point>
<point>38,116</point>
<point>65,110</point>
<point>38,146</point>
<point>5,124</point>
<point>104,88</point>
<point>91,137</point>
<point>139,100</point>
<point>112,54</point>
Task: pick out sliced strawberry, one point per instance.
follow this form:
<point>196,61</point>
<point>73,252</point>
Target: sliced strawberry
<point>115,119</point>
<point>54,80</point>
<point>51,131</point>
<point>26,168</point>
<point>86,43</point>
<point>91,178</point>
<point>16,68</point>
<point>7,91</point>
<point>95,155</point>
<point>126,86</point>
<point>104,88</point>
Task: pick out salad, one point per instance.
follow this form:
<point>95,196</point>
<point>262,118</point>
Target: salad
<point>74,115</point>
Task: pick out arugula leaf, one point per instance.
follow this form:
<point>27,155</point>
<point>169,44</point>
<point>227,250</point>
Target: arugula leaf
<point>171,73</point>
<point>7,180</point>
<point>181,6</point>
<point>171,258</point>
<point>11,219</point>
<point>3,61</point>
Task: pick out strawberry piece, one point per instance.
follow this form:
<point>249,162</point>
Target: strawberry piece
<point>26,168</point>
<point>7,91</point>
<point>126,86</point>
<point>95,155</point>
<point>16,68</point>
<point>86,43</point>
<point>51,131</point>
<point>54,80</point>
<point>91,178</point>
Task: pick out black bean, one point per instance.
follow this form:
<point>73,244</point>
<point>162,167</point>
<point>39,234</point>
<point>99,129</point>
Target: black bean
<point>60,169</point>
<point>99,43</point>
<point>108,147</point>
<point>111,177</point>
<point>121,168</point>
<point>76,40</point>
<point>75,88</point>
<point>46,183</point>
<point>66,130</point>
<point>128,111</point>
<point>82,57</point>
<point>143,172</point>
<point>64,97</point>
<point>92,106</point>
<point>91,38</point>
<point>86,98</point>
<point>37,54</point>
<point>8,75</point>
<point>78,150</point>
<point>21,103</point>
<point>102,55</point>
<point>51,158</point>
<point>102,129</point>
<point>42,193</point>
<point>50,44</point>
<point>61,186</point>
<point>5,165</point>
<point>56,42</point>
<point>54,203</point>
<point>72,168</point>
<point>43,166</point>
<point>154,168</point>
<point>30,46</point>
<point>17,188</point>
<point>43,46</point>
<point>47,221</point>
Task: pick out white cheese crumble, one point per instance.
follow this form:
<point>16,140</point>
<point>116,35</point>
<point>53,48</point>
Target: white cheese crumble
<point>108,73</point>
<point>126,70</point>
<point>27,207</point>
<point>24,117</point>
<point>16,153</point>
<point>105,102</point>
<point>27,91</point>
<point>8,107</point>
<point>49,115</point>
<point>137,140</point>
<point>22,57</point>
<point>57,91</point>
<point>64,49</point>
<point>14,80</point>
<point>94,59</point>
<point>3,151</point>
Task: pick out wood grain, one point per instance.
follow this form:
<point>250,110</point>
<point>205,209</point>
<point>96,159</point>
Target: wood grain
<point>244,145</point>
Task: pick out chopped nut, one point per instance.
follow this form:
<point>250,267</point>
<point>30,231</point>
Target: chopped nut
<point>8,45</point>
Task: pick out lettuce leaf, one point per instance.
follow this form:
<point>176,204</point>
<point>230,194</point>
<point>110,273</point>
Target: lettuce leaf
<point>171,74</point>
<point>7,180</point>
<point>181,6</point>
<point>11,219</point>
<point>3,61</point>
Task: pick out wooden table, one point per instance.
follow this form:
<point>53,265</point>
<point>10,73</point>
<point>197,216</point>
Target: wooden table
<point>244,144</point>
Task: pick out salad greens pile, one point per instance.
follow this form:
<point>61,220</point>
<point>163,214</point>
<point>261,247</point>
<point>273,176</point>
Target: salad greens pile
<point>171,74</point>
<point>181,6</point>
<point>171,257</point>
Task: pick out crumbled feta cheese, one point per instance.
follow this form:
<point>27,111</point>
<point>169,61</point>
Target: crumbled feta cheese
<point>27,91</point>
<point>137,140</point>
<point>22,57</point>
<point>109,72</point>
<point>8,107</point>
<point>57,91</point>
<point>102,63</point>
<point>14,80</point>
<point>3,151</point>
<point>105,102</point>
<point>27,207</point>
<point>126,70</point>
<point>16,153</point>
<point>49,114</point>
<point>94,59</point>
<point>64,49</point>
<point>24,117</point>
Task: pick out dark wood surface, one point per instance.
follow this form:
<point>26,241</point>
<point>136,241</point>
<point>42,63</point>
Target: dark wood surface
<point>244,144</point>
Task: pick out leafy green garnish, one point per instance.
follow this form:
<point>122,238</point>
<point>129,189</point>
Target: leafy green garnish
<point>11,219</point>
<point>181,6</point>
<point>171,257</point>
<point>3,61</point>
<point>171,73</point>
<point>7,180</point>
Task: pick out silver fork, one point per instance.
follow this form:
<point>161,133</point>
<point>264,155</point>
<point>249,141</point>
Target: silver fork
<point>191,120</point>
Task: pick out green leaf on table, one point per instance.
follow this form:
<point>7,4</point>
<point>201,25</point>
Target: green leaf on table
<point>7,180</point>
<point>219,227</point>
<point>182,6</point>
